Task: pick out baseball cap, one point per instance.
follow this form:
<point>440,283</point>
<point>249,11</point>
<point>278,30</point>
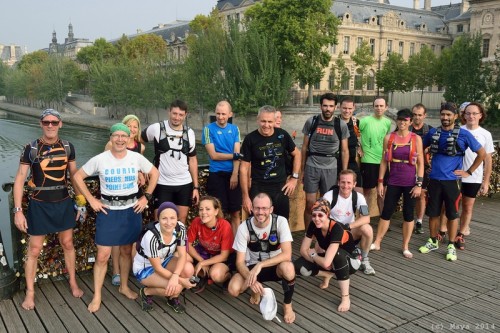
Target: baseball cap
<point>463,106</point>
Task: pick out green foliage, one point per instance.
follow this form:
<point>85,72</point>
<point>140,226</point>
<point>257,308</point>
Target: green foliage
<point>492,79</point>
<point>32,59</point>
<point>393,75</point>
<point>363,59</point>
<point>461,71</point>
<point>301,31</point>
<point>422,70</point>
<point>101,50</point>
<point>3,75</point>
<point>145,46</point>
<point>341,73</point>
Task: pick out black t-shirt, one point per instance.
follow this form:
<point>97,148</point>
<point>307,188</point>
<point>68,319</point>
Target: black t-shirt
<point>267,155</point>
<point>48,163</point>
<point>420,132</point>
<point>337,234</point>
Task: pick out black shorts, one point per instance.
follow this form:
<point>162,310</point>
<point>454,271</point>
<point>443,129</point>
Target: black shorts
<point>281,202</point>
<point>369,172</point>
<point>267,274</point>
<point>470,190</point>
<point>218,186</point>
<point>443,191</point>
<point>181,195</point>
<point>355,167</point>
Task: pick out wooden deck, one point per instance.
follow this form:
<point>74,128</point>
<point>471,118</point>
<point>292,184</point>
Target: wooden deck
<point>426,293</point>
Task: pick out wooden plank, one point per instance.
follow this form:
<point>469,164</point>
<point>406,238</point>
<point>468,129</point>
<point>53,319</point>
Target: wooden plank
<point>46,312</point>
<point>30,319</point>
<point>11,320</point>
<point>79,307</point>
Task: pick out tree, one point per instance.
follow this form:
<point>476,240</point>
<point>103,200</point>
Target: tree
<point>145,46</point>
<point>340,73</point>
<point>461,70</point>
<point>32,59</point>
<point>301,31</point>
<point>100,51</point>
<point>363,59</point>
<point>393,75</point>
<point>422,70</point>
<point>492,79</point>
<point>3,78</point>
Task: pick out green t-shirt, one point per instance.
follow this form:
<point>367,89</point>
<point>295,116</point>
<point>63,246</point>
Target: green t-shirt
<point>373,130</point>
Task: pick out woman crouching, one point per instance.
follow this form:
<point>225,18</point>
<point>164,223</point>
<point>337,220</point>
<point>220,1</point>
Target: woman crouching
<point>332,253</point>
<point>155,266</point>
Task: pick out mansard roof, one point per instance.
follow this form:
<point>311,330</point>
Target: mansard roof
<point>177,30</point>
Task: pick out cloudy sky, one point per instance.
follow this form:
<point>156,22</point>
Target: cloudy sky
<point>30,23</point>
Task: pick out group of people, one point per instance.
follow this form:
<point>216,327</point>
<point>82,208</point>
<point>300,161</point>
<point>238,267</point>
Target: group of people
<point>343,160</point>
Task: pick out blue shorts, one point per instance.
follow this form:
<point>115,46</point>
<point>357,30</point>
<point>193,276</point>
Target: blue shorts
<point>118,227</point>
<point>148,271</point>
<point>50,217</point>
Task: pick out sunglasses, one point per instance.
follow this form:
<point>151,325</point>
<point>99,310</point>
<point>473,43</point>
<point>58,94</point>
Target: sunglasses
<point>52,122</point>
<point>320,215</point>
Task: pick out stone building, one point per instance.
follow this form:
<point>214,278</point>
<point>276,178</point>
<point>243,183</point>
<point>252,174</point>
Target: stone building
<point>71,45</point>
<point>10,54</point>
<point>388,29</point>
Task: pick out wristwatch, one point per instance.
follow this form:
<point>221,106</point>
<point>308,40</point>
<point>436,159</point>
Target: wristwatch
<point>148,196</point>
<point>16,209</point>
<point>295,175</point>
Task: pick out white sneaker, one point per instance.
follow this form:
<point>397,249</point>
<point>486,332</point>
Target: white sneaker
<point>366,267</point>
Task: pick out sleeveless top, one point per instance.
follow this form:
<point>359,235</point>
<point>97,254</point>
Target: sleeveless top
<point>401,174</point>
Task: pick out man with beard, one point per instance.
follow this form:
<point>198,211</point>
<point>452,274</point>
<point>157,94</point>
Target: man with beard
<point>448,144</point>
<point>325,139</point>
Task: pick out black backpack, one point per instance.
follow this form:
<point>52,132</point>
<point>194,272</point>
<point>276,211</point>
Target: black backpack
<point>151,226</point>
<point>312,129</point>
<point>335,197</point>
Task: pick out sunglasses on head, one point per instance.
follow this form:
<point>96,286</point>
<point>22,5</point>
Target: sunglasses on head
<point>50,122</point>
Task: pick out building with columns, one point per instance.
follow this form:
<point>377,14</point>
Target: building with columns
<point>388,29</point>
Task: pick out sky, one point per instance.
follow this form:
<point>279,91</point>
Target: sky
<point>30,23</point>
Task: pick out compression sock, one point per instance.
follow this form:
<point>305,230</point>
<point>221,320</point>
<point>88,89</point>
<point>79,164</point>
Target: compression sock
<point>288,289</point>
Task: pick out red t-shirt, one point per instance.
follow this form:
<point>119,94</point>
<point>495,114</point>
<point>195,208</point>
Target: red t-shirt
<point>213,241</point>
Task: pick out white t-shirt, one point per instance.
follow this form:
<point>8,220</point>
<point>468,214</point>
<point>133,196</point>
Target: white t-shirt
<point>243,238</point>
<point>485,139</point>
<point>149,244</point>
<point>342,212</point>
<point>174,167</point>
<point>118,176</point>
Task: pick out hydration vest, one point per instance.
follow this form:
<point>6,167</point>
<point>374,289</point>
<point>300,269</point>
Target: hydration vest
<point>425,129</point>
<point>335,196</point>
<point>345,234</point>
<point>151,226</point>
<point>35,157</point>
<point>163,145</point>
<point>452,148</point>
<point>413,149</point>
<point>312,129</point>
<point>264,245</point>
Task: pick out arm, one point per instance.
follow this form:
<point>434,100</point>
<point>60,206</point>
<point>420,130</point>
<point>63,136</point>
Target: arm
<point>481,155</point>
<point>303,155</point>
<point>233,182</point>
<point>305,247</point>
<point>142,203</point>
<point>193,170</point>
<point>488,160</point>
<point>96,204</point>
<point>417,190</point>
<point>345,154</point>
<point>18,191</point>
<point>360,221</point>
<point>210,147</point>
<point>245,188</point>
<point>326,261</point>
<point>108,146</point>
<point>290,185</point>
<point>382,169</point>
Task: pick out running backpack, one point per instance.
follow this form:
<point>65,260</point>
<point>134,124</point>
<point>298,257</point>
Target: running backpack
<point>259,245</point>
<point>34,150</point>
<point>335,196</point>
<point>413,149</point>
<point>151,226</point>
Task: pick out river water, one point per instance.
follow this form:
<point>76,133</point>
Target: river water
<point>18,130</point>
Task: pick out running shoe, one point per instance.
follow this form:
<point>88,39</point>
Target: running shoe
<point>200,286</point>
<point>176,305</point>
<point>418,228</point>
<point>460,242</point>
<point>451,254</point>
<point>115,280</point>
<point>146,301</point>
<point>429,246</point>
<point>366,267</point>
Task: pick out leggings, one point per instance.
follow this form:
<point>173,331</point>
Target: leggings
<point>391,200</point>
<point>341,266</point>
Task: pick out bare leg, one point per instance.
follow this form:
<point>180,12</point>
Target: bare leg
<point>100,268</point>
<point>452,229</point>
<point>235,221</point>
<point>466,216</point>
<point>443,220</point>
<point>407,232</point>
<point>420,205</point>
<point>183,213</point>
<point>326,278</point>
<point>125,263</point>
<point>115,257</point>
<point>66,241</point>
<point>34,248</point>
<point>310,199</point>
<point>383,226</point>
<point>345,301</point>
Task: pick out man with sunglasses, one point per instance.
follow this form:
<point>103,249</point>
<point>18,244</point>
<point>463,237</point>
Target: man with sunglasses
<point>50,208</point>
